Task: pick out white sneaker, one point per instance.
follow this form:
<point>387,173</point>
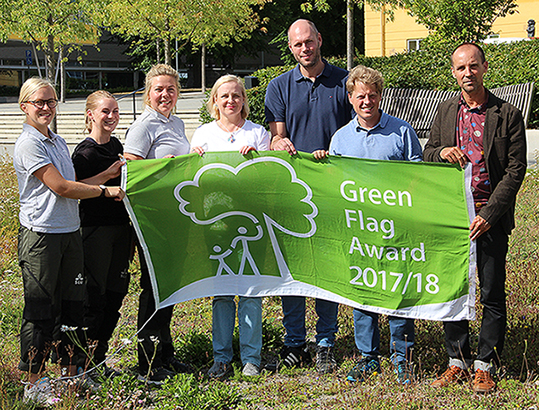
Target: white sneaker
<point>40,393</point>
<point>250,370</point>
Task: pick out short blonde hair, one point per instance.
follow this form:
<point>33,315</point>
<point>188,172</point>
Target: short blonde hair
<point>156,71</point>
<point>91,104</point>
<point>365,75</point>
<point>31,85</point>
<point>212,107</point>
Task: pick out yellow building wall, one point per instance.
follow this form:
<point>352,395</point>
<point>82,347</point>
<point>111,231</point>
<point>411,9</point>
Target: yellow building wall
<point>10,78</point>
<point>384,38</point>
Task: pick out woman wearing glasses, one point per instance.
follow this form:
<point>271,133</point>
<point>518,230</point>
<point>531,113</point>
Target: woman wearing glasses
<point>50,246</point>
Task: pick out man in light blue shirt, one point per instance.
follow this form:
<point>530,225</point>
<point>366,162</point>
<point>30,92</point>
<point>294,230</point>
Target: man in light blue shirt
<point>373,134</point>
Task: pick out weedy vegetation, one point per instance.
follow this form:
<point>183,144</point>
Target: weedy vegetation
<point>518,381</point>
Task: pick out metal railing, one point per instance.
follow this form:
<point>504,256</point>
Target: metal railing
<point>132,93</point>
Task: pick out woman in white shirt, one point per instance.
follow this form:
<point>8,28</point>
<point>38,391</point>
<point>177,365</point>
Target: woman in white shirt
<point>232,131</point>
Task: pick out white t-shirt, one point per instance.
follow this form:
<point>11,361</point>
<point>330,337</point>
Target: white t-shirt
<point>212,138</point>
<point>153,136</point>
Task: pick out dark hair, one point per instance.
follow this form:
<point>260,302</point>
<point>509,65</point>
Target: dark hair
<point>477,46</point>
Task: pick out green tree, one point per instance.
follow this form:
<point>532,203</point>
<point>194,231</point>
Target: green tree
<point>50,24</point>
<point>200,22</point>
<point>447,20</point>
<point>458,21</point>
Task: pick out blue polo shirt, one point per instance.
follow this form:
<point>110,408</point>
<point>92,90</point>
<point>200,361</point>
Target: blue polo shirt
<point>390,139</point>
<point>311,111</point>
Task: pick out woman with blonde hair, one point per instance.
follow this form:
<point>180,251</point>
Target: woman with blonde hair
<point>50,246</point>
<point>231,131</point>
<point>107,236</point>
<point>157,133</point>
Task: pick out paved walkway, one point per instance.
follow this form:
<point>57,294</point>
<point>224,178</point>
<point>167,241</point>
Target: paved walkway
<point>188,107</point>
<point>189,101</point>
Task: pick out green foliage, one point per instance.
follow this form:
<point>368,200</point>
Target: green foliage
<point>457,21</point>
<point>52,25</point>
<point>199,22</point>
<point>509,63</point>
<point>185,392</point>
<point>193,348</point>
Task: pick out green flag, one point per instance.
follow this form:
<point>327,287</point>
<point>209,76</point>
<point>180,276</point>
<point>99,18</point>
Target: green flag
<point>385,236</point>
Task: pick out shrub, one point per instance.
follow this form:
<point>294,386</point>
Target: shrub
<point>509,63</point>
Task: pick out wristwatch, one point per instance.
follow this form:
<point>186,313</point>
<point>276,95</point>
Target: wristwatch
<point>103,190</point>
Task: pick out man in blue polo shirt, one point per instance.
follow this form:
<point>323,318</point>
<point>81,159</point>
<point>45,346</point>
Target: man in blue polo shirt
<point>304,107</point>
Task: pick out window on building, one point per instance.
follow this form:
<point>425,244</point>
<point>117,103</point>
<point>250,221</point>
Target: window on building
<point>413,44</point>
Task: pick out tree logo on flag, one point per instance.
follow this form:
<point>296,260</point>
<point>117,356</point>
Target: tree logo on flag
<point>208,200</point>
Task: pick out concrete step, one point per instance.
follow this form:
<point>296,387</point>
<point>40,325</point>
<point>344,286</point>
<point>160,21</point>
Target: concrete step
<point>71,126</point>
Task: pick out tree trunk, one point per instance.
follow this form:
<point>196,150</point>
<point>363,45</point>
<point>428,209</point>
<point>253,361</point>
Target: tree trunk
<point>349,34</point>
<point>203,68</point>
<point>168,53</point>
<point>62,76</point>
<point>50,58</point>
<point>51,67</point>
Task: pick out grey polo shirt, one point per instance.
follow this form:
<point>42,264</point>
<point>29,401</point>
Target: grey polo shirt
<point>41,210</point>
<point>153,135</point>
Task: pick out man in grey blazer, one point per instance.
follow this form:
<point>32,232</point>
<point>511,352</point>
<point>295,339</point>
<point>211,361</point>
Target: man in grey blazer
<point>479,128</point>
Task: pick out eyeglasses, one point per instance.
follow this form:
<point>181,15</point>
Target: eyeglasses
<point>41,103</point>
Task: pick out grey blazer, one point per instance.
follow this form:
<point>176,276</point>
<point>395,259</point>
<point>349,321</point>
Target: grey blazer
<point>504,144</point>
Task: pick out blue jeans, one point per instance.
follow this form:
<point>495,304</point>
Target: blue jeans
<point>250,327</point>
<point>294,321</point>
<point>367,335</point>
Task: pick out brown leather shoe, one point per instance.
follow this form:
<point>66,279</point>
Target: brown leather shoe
<point>483,382</point>
<point>452,375</point>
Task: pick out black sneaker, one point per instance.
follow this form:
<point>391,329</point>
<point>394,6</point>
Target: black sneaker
<point>174,365</point>
<point>295,356</point>
<point>366,367</point>
<point>155,377</point>
<point>219,370</point>
<point>103,372</point>
<point>325,360</point>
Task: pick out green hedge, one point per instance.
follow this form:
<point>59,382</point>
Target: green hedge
<point>510,63</point>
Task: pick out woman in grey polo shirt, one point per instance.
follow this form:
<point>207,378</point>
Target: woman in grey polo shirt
<point>50,247</point>
<point>157,133</point>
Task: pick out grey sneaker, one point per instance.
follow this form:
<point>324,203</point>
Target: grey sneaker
<point>80,383</point>
<point>40,393</point>
<point>325,360</point>
<point>219,370</point>
<point>250,370</point>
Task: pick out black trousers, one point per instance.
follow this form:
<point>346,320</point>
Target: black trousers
<point>491,253</point>
<point>155,348</point>
<point>107,253</point>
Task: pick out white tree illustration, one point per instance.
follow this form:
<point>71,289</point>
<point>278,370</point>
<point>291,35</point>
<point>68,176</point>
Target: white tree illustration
<point>226,182</point>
